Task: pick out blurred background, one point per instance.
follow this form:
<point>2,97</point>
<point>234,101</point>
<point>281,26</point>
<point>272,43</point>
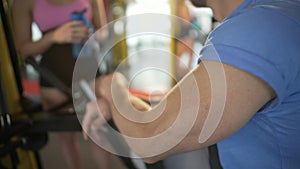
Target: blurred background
<point>153,61</point>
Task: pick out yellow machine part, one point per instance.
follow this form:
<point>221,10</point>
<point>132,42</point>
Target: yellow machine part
<point>27,159</point>
<point>7,74</point>
<point>118,9</point>
<point>173,7</point>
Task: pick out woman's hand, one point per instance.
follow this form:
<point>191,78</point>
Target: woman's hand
<point>71,32</point>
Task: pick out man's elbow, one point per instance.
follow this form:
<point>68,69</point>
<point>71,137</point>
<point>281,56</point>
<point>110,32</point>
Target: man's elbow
<point>151,160</point>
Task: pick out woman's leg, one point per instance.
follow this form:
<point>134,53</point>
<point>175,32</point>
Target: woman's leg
<point>70,149</point>
<point>52,97</point>
<point>101,157</point>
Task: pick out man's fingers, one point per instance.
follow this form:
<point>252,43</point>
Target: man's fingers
<point>94,119</point>
<point>90,115</point>
<point>139,104</point>
<point>85,135</point>
<point>97,128</point>
<point>100,124</point>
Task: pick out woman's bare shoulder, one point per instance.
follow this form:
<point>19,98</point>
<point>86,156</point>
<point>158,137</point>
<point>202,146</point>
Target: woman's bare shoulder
<point>23,5</point>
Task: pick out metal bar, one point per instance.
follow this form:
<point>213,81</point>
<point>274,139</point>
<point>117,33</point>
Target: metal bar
<point>4,113</point>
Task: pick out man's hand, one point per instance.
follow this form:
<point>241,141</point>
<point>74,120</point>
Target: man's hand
<point>110,86</point>
<point>97,113</point>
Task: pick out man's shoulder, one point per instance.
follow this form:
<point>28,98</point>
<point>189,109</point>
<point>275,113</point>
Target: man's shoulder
<point>258,23</point>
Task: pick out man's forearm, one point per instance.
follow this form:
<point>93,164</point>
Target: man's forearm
<point>158,121</point>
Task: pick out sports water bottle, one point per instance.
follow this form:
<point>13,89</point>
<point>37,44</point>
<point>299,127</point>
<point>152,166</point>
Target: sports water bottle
<point>77,47</point>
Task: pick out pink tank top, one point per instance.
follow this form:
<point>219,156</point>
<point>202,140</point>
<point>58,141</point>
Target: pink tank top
<point>49,16</point>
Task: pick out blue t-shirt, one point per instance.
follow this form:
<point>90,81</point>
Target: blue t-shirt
<point>262,37</point>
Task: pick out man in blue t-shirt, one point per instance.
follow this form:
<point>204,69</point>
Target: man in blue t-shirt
<point>262,38</point>
<point>245,91</point>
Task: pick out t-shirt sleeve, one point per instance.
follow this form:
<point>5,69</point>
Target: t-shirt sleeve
<point>248,51</point>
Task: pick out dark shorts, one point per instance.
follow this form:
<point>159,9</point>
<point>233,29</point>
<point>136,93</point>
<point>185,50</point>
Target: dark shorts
<point>59,60</point>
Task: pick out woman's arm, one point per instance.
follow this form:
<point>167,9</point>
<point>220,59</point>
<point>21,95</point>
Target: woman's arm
<point>99,18</point>
<point>22,20</point>
<point>99,14</point>
<point>22,13</point>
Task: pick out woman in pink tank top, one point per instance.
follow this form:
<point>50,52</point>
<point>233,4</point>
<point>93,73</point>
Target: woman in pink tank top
<point>59,32</point>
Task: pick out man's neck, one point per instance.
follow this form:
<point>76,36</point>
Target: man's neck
<point>222,9</point>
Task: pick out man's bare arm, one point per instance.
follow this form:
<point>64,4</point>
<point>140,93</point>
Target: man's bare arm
<point>244,95</point>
